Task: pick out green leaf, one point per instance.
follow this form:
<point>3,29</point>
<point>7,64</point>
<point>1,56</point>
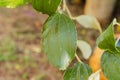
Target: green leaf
<point>12,3</point>
<point>59,40</point>
<point>80,71</point>
<point>106,39</point>
<point>46,6</point>
<point>85,48</point>
<point>88,21</point>
<point>110,64</point>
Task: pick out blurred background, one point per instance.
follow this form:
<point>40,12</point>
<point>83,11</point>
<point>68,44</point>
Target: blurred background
<point>21,57</point>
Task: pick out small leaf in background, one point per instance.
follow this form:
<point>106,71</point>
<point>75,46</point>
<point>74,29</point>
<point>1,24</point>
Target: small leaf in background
<point>110,64</point>
<point>46,6</point>
<point>95,76</point>
<point>85,48</point>
<point>12,3</point>
<point>80,71</point>
<point>106,39</point>
<point>59,40</point>
<point>88,21</point>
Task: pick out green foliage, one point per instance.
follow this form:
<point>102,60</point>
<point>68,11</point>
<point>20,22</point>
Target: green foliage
<point>59,40</point>
<point>106,39</point>
<point>110,61</point>
<point>46,6</point>
<point>12,3</point>
<point>80,71</point>
<point>110,64</point>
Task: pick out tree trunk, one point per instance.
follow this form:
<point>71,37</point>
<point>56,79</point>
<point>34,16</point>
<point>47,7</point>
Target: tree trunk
<point>101,9</point>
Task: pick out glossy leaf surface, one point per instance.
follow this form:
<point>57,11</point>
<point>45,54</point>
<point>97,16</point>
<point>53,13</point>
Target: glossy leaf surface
<point>59,40</point>
<point>80,71</point>
<point>110,64</point>
<point>46,6</point>
<point>106,39</point>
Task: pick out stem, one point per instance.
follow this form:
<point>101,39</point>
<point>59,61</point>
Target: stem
<point>118,24</point>
<point>78,58</point>
<point>67,10</point>
<point>64,5</point>
<point>100,29</point>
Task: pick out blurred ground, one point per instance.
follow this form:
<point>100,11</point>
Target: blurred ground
<point>21,57</point>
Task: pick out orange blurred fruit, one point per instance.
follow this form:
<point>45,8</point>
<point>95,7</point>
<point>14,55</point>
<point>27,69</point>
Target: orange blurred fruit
<point>94,62</point>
